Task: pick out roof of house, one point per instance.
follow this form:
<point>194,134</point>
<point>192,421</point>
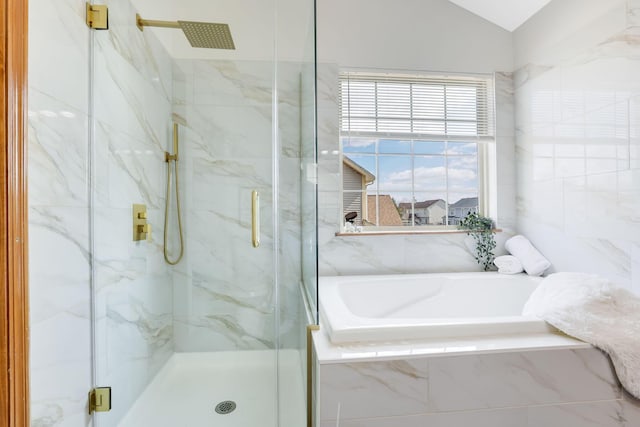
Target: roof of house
<point>369,177</point>
<point>467,202</point>
<point>420,205</point>
<point>388,212</point>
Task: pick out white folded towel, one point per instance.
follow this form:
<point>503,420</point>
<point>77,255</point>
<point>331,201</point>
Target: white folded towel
<point>594,310</point>
<point>532,261</point>
<point>508,264</point>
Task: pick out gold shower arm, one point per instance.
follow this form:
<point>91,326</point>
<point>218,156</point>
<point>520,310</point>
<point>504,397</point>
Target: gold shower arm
<point>141,23</point>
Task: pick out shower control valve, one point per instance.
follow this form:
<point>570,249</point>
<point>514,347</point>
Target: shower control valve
<point>141,228</point>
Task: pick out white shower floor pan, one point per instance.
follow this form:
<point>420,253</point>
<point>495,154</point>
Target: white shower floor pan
<point>190,385</point>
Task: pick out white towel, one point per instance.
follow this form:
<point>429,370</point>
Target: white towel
<point>532,261</point>
<point>508,264</point>
<point>594,310</point>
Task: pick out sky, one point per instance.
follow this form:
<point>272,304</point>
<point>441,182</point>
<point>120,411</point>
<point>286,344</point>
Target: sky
<point>423,176</point>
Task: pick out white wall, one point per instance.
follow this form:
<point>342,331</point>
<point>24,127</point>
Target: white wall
<point>578,146</point>
<point>433,35</point>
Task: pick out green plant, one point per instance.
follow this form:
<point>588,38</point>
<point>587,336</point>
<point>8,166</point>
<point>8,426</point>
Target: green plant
<point>481,229</point>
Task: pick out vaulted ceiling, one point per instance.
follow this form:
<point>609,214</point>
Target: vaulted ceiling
<point>508,14</point>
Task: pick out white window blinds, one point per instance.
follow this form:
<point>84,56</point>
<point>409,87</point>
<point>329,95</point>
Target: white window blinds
<point>416,105</point>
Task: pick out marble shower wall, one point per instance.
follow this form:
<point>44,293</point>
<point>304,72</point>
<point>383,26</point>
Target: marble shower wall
<point>130,122</point>
<point>59,251</point>
<point>578,138</point>
<point>395,254</point>
<point>133,284</point>
<point>225,289</point>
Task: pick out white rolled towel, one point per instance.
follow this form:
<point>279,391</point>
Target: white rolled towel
<point>508,264</point>
<point>533,262</point>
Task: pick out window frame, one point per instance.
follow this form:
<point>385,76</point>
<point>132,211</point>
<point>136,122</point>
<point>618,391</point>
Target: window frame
<point>483,142</point>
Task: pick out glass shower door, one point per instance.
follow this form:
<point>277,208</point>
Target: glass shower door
<point>193,343</point>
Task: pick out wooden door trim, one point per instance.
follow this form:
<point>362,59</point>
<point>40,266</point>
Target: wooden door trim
<point>14,310</point>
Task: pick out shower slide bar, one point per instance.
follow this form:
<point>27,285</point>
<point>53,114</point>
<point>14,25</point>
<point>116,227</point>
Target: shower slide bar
<point>255,218</point>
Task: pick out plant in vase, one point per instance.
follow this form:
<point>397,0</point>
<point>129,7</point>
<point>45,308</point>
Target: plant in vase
<point>481,229</point>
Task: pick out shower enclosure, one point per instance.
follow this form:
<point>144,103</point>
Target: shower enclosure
<point>219,337</point>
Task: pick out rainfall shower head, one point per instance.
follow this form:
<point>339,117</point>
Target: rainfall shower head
<point>208,35</point>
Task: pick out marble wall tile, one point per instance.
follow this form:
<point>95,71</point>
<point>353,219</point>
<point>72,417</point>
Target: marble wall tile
<point>134,304</point>
<point>576,121</point>
<point>228,131</point>
<point>141,49</point>
<point>438,254</point>
<point>505,104</point>
<point>232,83</point>
<point>635,268</point>
<point>520,379</point>
<point>496,418</point>
<point>378,389</point>
<point>59,259</point>
<point>229,292</point>
<point>290,250</point>
<point>128,170</point>
<point>131,129</point>
<point>592,414</point>
<point>58,30</point>
<point>130,93</point>
<point>631,410</point>
<point>327,88</point>
<point>60,317</point>
<point>57,152</point>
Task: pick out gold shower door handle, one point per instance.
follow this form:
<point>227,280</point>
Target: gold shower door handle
<point>255,218</point>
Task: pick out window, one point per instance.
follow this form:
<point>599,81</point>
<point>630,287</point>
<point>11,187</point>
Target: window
<point>412,147</point>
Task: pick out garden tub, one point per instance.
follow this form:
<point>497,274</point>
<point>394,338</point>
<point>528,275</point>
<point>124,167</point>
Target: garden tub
<point>426,306</point>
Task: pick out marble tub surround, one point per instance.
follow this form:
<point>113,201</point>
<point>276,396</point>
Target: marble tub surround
<point>577,100</point>
<point>529,388</point>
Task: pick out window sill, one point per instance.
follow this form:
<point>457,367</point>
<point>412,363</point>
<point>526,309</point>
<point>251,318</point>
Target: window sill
<point>404,233</point>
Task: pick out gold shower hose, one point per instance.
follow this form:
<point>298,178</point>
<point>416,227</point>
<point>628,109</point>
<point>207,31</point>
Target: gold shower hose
<point>169,158</point>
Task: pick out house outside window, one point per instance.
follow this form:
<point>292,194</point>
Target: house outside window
<point>417,144</point>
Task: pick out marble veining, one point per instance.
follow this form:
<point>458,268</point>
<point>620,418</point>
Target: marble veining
<point>60,318</point>
<point>373,389</point>
<point>225,292</point>
<point>576,151</point>
<point>57,152</point>
<point>551,387</point>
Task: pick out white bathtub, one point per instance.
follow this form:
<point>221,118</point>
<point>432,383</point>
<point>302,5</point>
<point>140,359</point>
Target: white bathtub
<point>425,306</point>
